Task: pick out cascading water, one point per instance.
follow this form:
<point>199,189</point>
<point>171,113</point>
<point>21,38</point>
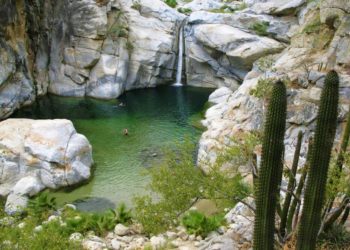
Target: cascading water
<point>180,59</point>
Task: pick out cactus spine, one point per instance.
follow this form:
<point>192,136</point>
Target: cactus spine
<point>269,173</point>
<point>291,184</point>
<point>320,158</point>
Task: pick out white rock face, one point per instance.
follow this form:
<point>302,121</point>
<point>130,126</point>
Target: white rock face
<point>241,48</point>
<point>242,112</point>
<point>278,7</point>
<point>39,154</point>
<point>221,47</point>
<point>91,48</point>
<point>220,95</point>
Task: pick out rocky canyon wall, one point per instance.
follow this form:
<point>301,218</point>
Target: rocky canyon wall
<point>95,48</point>
<point>320,41</point>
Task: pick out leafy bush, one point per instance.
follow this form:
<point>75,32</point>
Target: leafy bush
<point>263,88</point>
<point>171,3</point>
<point>52,236</point>
<point>178,183</point>
<point>260,28</point>
<point>198,224</point>
<point>184,10</point>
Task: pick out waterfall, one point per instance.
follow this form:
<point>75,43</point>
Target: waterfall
<point>180,59</point>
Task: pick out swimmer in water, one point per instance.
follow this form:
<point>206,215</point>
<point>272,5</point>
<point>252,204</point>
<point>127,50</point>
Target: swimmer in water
<point>126,132</point>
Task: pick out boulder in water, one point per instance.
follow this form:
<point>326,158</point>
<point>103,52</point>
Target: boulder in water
<point>39,154</point>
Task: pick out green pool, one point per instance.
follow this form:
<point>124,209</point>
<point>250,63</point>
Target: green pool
<point>155,118</point>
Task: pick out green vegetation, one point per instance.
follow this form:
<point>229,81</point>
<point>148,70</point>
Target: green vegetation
<point>198,224</point>
<point>314,26</point>
<point>270,173</point>
<point>265,63</point>
<point>41,206</point>
<point>291,184</point>
<point>242,6</point>
<point>320,159</point>
<point>171,3</point>
<point>179,184</point>
<point>100,223</point>
<point>263,88</point>
<point>319,219</point>
<point>54,234</point>
<point>223,9</point>
<point>260,28</point>
<point>136,6</point>
<point>335,238</point>
<point>129,46</point>
<point>185,11</point>
<point>228,9</point>
<point>119,27</point>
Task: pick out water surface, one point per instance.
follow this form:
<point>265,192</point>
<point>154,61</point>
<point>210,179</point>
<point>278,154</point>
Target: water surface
<point>155,118</point>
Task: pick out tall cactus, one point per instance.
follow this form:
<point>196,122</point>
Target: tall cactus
<point>291,184</point>
<point>320,158</point>
<point>293,206</point>
<point>269,173</point>
<point>344,144</point>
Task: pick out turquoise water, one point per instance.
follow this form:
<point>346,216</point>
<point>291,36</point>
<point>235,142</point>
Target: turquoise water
<point>155,118</point>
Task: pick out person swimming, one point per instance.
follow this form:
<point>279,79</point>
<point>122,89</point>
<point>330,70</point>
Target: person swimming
<point>126,131</point>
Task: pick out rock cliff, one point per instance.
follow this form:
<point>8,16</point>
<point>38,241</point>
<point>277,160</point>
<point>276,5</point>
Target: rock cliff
<point>95,48</point>
<point>320,41</point>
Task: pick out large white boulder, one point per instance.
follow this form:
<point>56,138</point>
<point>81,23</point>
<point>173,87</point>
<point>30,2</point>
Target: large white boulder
<point>39,154</point>
<point>241,47</point>
<point>278,7</point>
<point>220,95</point>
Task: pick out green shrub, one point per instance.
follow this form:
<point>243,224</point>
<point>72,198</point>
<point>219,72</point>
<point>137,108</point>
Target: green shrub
<point>184,10</point>
<point>171,3</point>
<point>223,9</point>
<point>177,183</point>
<point>260,28</point>
<point>228,9</point>
<point>52,236</point>
<point>263,88</point>
<point>198,224</point>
